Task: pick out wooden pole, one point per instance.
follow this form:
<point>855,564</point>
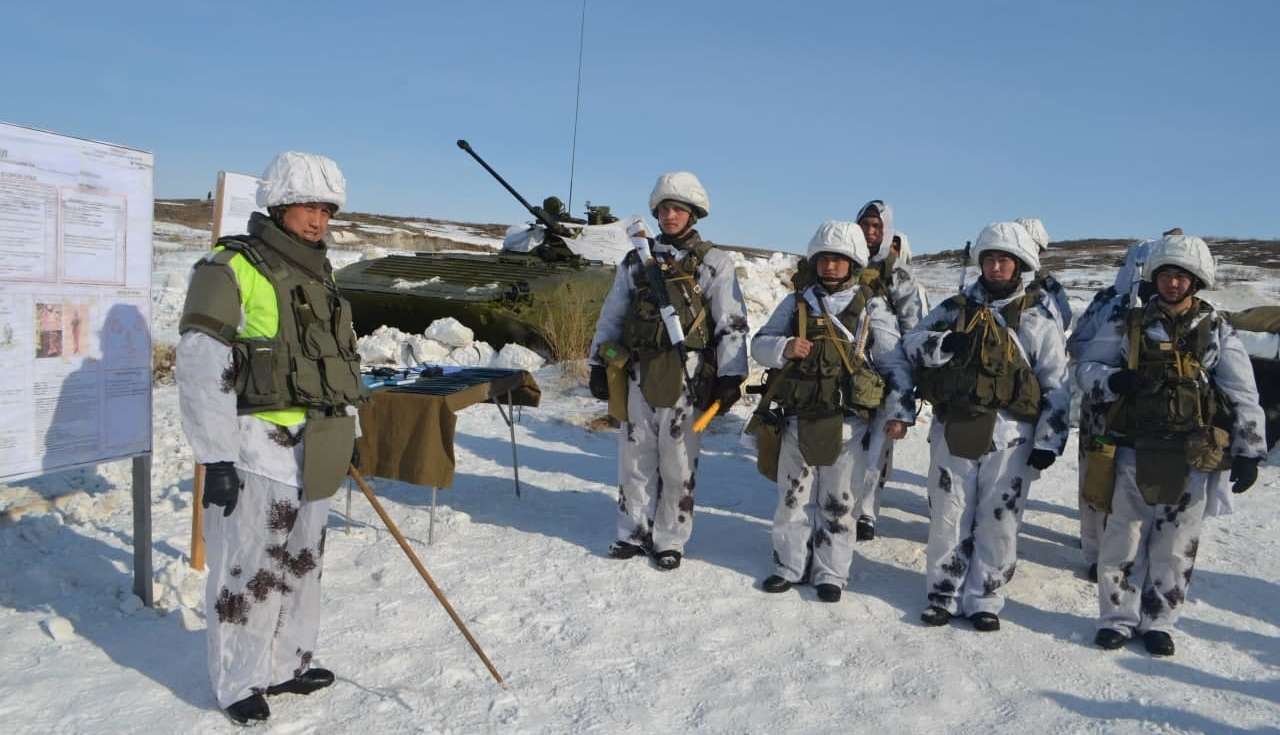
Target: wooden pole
<point>413,558</point>
<point>197,521</point>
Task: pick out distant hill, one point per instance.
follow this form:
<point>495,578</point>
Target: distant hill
<point>1109,252</point>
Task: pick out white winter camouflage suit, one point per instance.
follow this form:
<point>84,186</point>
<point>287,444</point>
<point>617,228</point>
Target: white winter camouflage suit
<point>814,512</point>
<point>1148,552</point>
<point>1080,348</point>
<point>657,447</point>
<point>975,506</point>
<point>262,597</point>
<point>909,304</point>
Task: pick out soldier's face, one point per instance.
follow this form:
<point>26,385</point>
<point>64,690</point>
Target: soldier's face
<point>672,219</point>
<point>832,268</point>
<point>308,221</point>
<point>1174,284</point>
<point>873,230</point>
<point>999,268</point>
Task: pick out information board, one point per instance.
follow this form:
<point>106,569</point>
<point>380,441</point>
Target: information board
<point>75,302</point>
<point>235,200</point>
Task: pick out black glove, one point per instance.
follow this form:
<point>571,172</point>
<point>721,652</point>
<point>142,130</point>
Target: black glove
<point>728,390</point>
<point>355,454</point>
<point>1123,382</point>
<point>956,342</point>
<point>599,383</point>
<point>1041,458</point>
<point>222,486</point>
<point>1244,472</point>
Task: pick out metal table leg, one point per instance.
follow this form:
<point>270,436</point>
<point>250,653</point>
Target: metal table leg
<point>431,524</point>
<point>510,419</point>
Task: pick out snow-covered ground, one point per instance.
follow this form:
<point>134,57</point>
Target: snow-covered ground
<point>593,645</point>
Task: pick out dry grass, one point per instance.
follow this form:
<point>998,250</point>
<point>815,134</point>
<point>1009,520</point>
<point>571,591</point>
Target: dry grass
<point>568,324</point>
<point>162,361</point>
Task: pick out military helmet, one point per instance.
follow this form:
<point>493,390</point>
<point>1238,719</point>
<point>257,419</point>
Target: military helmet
<point>1035,228</point>
<point>683,187</point>
<point>1011,238</point>
<point>302,178</point>
<point>1187,252</point>
<point>839,238</point>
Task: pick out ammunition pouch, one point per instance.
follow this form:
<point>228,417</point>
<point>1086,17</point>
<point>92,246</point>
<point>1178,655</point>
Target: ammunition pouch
<point>615,358</point>
<point>766,426</point>
<point>1099,473</point>
<point>1208,449</point>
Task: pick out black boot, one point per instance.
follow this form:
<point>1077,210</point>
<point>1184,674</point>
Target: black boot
<point>828,592</point>
<point>985,622</point>
<point>1158,643</point>
<point>667,560</point>
<point>1110,639</point>
<point>775,583</point>
<point>1093,572</point>
<point>624,550</point>
<point>934,615</point>
<point>306,683</point>
<point>865,530</point>
<point>252,707</point>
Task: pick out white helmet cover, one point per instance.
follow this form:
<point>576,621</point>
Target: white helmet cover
<point>1039,235</point>
<point>904,248</point>
<point>680,186</point>
<point>302,178</point>
<point>839,238</point>
<point>1011,238</point>
<point>1187,252</point>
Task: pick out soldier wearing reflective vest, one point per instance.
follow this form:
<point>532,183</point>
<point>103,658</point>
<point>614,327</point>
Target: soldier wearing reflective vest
<point>907,301</point>
<point>1183,411</point>
<point>992,364</point>
<point>837,406</point>
<point>681,278</point>
<point>268,379</point>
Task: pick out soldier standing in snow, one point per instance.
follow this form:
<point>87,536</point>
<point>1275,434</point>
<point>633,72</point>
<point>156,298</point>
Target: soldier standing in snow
<point>1128,290</point>
<point>907,301</point>
<point>991,362</point>
<point>268,376</point>
<point>668,383</point>
<point>825,346</point>
<point>1185,408</point>
<point>1058,303</point>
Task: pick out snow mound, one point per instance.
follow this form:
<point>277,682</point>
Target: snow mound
<point>517,357</point>
<point>58,628</point>
<point>476,354</point>
<point>450,332</point>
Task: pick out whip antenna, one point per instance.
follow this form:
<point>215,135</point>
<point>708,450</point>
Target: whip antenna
<point>577,103</point>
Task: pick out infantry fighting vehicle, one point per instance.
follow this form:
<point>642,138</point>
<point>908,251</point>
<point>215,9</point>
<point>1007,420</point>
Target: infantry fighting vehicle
<point>508,296</point>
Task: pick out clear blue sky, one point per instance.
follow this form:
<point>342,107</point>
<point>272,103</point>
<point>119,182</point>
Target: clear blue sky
<point>1102,118</point>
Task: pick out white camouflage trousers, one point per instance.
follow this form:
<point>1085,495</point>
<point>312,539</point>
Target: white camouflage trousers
<point>262,599</point>
<point>1148,552</point>
<point>975,507</point>
<point>657,465</point>
<point>869,491</point>
<point>1091,521</point>
<point>814,521</point>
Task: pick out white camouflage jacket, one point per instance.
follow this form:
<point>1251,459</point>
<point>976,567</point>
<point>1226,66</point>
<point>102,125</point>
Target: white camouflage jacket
<point>1040,340</point>
<point>882,344</point>
<point>1224,361</point>
<point>719,283</point>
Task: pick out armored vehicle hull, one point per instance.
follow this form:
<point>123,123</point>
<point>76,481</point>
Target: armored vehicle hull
<point>503,297</point>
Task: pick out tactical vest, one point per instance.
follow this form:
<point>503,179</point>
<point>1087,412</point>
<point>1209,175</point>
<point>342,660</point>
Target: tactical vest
<point>1175,395</point>
<point>992,373</point>
<point>644,333</point>
<point>833,379</point>
<point>311,362</point>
